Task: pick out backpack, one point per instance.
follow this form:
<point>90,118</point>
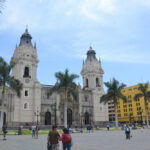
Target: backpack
<point>66,139</point>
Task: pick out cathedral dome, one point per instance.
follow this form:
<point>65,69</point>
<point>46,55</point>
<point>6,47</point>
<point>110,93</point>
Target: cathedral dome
<point>25,50</point>
<point>91,55</point>
<point>25,39</point>
<point>91,63</point>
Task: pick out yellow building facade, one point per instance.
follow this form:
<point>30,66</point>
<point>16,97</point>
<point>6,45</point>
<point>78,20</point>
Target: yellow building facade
<point>130,111</point>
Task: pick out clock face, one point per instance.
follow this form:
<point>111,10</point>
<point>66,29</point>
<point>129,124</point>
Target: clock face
<point>27,80</point>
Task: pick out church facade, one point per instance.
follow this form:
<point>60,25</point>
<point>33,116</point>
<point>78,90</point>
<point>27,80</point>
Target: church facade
<point>36,105</point>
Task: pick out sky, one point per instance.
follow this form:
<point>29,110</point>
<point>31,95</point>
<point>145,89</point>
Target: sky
<point>118,31</point>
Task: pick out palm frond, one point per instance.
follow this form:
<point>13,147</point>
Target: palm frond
<point>137,96</point>
<point>74,93</point>
<point>123,97</point>
<point>121,86</point>
<point>65,82</point>
<point>113,91</point>
<point>16,85</point>
<point>148,95</point>
<point>105,98</point>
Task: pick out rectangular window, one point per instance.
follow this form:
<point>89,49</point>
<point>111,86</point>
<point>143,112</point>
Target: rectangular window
<point>26,93</point>
<point>119,115</point>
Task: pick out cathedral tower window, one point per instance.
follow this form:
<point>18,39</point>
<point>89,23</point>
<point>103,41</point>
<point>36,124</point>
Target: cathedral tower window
<point>97,82</point>
<point>26,72</point>
<point>86,98</point>
<point>25,106</point>
<point>26,93</point>
<point>87,83</point>
<point>48,95</point>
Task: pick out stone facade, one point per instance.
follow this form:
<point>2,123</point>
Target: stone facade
<point>37,105</point>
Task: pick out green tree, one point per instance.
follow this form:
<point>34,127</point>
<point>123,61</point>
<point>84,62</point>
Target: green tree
<point>66,85</point>
<point>6,80</point>
<point>113,94</point>
<point>143,92</point>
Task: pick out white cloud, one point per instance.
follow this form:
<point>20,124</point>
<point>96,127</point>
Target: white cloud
<point>96,9</point>
<point>47,15</point>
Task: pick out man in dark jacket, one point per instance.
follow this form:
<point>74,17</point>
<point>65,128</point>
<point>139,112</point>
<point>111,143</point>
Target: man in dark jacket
<point>4,129</point>
<point>127,132</point>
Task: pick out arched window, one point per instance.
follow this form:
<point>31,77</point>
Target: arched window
<point>87,83</point>
<point>26,93</point>
<point>26,72</point>
<point>97,82</point>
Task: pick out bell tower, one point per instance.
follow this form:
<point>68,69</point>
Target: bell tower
<point>92,72</point>
<point>25,69</point>
<point>92,75</point>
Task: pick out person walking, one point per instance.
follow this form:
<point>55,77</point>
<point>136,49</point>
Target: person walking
<point>108,126</point>
<point>4,129</point>
<point>33,131</point>
<point>127,132</point>
<point>52,139</point>
<point>66,139</point>
<point>36,132</point>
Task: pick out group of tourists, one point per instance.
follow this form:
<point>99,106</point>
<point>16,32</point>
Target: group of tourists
<point>54,138</point>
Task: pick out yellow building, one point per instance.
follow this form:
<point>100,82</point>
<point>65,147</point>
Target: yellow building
<point>130,111</point>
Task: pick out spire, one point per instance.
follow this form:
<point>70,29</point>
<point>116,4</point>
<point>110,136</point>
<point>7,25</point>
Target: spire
<point>90,48</point>
<point>26,30</point>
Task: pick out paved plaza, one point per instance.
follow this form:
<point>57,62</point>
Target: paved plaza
<point>99,140</point>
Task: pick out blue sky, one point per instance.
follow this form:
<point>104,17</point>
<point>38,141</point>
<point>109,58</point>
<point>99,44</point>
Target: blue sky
<point>118,30</point>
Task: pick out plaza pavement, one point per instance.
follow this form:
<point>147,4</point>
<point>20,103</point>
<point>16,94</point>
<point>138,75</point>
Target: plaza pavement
<point>99,140</point>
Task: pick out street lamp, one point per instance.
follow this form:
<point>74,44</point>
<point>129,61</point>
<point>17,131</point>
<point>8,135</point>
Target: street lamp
<point>37,114</point>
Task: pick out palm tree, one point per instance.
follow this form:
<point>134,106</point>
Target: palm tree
<point>1,5</point>
<point>113,94</point>
<point>6,80</point>
<point>143,92</point>
<point>65,83</point>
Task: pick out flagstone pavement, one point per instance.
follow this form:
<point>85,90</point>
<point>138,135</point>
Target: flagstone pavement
<point>98,140</point>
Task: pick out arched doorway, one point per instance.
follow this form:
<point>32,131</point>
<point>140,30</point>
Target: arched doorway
<point>69,117</point>
<point>87,118</point>
<point>4,118</point>
<point>47,118</point>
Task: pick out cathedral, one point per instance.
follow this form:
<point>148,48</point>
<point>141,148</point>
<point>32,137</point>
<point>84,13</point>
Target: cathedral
<point>36,105</point>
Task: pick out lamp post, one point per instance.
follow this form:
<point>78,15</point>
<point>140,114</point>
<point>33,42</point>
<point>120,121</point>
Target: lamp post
<point>37,114</point>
